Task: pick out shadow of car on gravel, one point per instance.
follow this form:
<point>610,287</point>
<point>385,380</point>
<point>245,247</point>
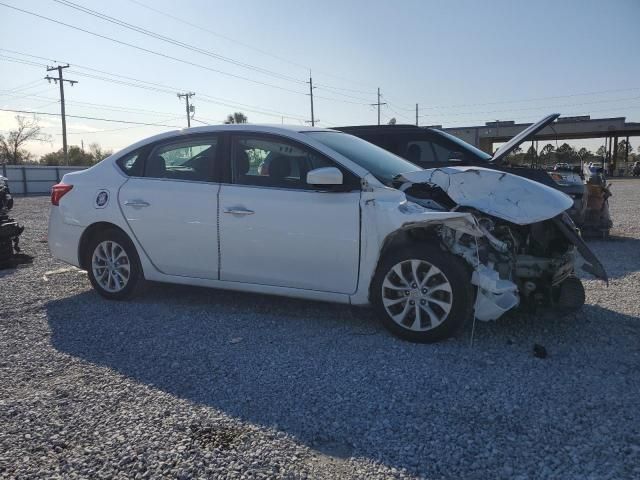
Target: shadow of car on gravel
<point>342,385</point>
<point>621,254</point>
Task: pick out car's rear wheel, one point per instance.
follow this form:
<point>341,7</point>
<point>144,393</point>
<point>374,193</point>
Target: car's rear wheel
<point>113,265</point>
<point>422,296</point>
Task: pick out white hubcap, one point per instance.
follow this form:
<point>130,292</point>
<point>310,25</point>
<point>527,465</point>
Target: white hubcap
<point>417,295</point>
<point>110,265</point>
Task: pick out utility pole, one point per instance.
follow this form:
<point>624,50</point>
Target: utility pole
<point>189,108</point>
<point>310,82</point>
<point>61,81</point>
<point>416,114</point>
<point>378,105</point>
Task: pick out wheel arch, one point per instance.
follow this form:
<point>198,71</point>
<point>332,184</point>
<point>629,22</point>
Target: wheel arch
<point>403,237</point>
<point>89,233</point>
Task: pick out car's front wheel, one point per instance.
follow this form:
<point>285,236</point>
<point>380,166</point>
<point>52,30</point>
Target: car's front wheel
<point>422,295</point>
<point>113,266</point>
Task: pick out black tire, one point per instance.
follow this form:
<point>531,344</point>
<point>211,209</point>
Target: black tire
<point>135,279</point>
<point>569,295</point>
<point>457,274</point>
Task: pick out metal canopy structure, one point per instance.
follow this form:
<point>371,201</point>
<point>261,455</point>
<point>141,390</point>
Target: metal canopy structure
<point>565,128</point>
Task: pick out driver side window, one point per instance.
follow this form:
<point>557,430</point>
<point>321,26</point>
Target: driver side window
<point>185,160</point>
<point>272,162</point>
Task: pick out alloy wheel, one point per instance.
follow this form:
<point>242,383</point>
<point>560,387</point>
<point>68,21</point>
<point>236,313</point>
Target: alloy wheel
<point>111,266</point>
<point>417,295</point>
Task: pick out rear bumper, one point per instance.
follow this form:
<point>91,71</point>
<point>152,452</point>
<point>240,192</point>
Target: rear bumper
<point>63,238</point>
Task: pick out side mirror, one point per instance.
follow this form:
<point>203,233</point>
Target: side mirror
<point>325,176</point>
<point>455,157</point>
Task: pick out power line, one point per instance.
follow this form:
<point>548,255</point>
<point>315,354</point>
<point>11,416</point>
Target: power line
<point>153,52</point>
<point>533,99</point>
<point>173,41</point>
<point>152,86</point>
<point>113,120</point>
<point>60,80</point>
<point>378,104</point>
<point>251,47</point>
<point>190,108</point>
<point>544,107</point>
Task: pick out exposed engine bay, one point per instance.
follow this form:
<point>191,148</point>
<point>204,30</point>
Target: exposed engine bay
<point>526,264</point>
<point>10,230</point>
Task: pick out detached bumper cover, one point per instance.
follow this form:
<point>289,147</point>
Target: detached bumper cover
<point>592,265</point>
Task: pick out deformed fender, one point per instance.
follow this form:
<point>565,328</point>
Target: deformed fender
<point>386,212</point>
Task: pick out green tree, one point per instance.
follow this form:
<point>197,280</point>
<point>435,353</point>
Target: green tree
<point>77,156</point>
<point>236,117</point>
<point>622,149</point>
<point>565,153</point>
<point>546,152</point>
<point>12,146</point>
<point>584,155</point>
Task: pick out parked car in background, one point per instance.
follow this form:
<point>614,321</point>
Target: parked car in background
<point>433,148</point>
<point>562,167</point>
<point>336,218</point>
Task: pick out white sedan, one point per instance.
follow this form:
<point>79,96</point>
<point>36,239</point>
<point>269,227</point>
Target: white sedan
<point>322,215</point>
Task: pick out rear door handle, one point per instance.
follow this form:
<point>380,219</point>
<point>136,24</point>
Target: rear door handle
<point>239,211</point>
<point>137,203</point>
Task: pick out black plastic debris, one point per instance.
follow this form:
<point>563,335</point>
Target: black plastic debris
<point>10,230</point>
<point>539,351</point>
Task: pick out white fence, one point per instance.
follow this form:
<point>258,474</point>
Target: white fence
<point>34,179</point>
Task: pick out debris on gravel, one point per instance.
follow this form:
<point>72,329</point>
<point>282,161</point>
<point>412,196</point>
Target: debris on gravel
<point>187,382</point>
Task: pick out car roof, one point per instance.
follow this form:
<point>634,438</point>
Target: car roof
<point>380,128</point>
<point>286,130</point>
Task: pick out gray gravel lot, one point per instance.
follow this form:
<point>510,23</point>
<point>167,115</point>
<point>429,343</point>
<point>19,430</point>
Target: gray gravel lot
<point>195,383</point>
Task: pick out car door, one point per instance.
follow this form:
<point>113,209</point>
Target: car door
<point>277,230</point>
<point>172,206</point>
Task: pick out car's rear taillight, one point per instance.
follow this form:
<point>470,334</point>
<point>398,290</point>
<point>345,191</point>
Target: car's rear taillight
<point>58,191</point>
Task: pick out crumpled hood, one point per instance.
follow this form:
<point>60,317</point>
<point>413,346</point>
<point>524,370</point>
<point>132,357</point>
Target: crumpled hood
<point>500,194</point>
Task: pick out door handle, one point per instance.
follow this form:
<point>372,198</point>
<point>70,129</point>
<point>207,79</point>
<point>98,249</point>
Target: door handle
<point>137,203</point>
<point>239,211</point>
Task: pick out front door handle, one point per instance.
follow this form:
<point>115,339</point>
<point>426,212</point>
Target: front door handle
<point>239,211</point>
<point>136,203</point>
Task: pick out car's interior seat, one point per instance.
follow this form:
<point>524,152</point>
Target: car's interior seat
<point>414,153</point>
<point>156,167</point>
<point>241,163</point>
<point>279,169</point>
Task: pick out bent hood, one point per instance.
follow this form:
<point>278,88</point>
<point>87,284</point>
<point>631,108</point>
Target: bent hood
<point>500,194</point>
<point>523,136</point>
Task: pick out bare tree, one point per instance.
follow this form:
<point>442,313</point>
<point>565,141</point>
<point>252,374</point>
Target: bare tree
<point>236,117</point>
<point>98,153</point>
<point>12,146</point>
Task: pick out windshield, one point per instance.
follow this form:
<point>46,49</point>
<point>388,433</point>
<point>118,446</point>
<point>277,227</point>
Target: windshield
<point>382,164</point>
<point>464,145</point>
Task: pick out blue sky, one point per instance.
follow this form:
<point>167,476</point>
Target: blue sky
<point>464,62</point>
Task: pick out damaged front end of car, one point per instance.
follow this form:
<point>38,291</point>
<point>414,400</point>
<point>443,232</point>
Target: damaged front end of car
<point>522,248</point>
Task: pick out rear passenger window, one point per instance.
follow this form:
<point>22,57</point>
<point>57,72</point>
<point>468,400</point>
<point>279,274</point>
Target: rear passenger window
<point>185,160</point>
<point>420,152</point>
<point>131,164</point>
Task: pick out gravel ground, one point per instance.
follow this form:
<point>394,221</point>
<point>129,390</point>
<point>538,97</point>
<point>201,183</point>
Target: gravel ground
<point>196,383</point>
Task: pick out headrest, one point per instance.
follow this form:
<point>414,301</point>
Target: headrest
<point>241,161</point>
<point>155,167</point>
<point>280,167</point>
<point>414,152</point>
